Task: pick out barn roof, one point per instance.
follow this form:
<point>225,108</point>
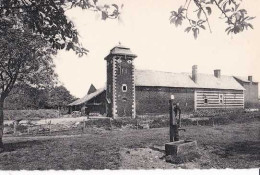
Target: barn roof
<point>87,97</point>
<point>244,79</point>
<point>169,79</point>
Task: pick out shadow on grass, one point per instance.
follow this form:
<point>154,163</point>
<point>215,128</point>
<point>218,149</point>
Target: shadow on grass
<point>9,147</point>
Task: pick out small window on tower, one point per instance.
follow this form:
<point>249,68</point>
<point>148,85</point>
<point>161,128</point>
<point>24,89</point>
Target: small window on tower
<point>124,87</point>
<point>129,61</point>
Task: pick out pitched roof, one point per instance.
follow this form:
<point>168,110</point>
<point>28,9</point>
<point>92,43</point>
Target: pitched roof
<point>121,50</point>
<point>87,97</point>
<point>169,79</point>
<point>244,79</point>
<point>91,89</point>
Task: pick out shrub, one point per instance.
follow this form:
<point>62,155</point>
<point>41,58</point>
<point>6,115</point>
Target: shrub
<point>31,114</point>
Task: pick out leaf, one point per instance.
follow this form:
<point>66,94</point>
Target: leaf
<point>180,10</point>
<point>104,15</point>
<point>228,10</point>
<point>224,6</point>
<point>227,29</point>
<point>203,27</point>
<point>173,20</point>
<point>187,29</point>
<point>208,10</point>
<point>220,1</point>
<point>95,1</point>
<point>195,34</point>
<point>250,18</point>
<point>250,25</point>
<point>174,13</point>
<point>236,7</point>
<point>116,6</point>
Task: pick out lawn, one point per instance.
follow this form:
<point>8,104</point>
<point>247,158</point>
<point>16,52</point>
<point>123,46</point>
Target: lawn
<point>224,146</point>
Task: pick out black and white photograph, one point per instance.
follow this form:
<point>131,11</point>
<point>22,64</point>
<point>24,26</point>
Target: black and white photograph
<point>125,85</point>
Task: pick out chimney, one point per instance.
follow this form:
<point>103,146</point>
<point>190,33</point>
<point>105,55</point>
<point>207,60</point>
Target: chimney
<point>217,73</point>
<point>194,73</point>
<point>250,78</point>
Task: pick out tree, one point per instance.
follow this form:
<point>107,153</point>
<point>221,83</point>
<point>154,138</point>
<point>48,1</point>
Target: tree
<point>236,18</point>
<point>24,57</point>
<point>23,96</point>
<point>59,97</point>
<point>47,18</point>
<point>27,30</point>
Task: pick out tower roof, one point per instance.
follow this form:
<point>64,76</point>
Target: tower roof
<point>121,50</point>
<point>91,89</point>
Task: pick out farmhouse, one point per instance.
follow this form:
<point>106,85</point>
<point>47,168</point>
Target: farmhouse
<point>129,91</point>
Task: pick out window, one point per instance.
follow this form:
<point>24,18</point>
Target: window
<point>221,98</point>
<point>129,61</point>
<point>124,87</point>
<point>124,71</point>
<point>124,99</point>
<point>205,99</point>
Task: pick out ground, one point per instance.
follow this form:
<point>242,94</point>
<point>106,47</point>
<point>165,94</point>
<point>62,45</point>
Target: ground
<point>235,145</point>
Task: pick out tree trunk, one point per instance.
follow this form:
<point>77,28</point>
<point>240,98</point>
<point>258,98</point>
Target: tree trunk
<point>1,124</point>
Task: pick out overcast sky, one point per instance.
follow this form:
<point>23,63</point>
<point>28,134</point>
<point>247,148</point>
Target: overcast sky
<point>146,29</point>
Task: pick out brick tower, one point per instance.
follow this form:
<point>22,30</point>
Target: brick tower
<point>120,91</point>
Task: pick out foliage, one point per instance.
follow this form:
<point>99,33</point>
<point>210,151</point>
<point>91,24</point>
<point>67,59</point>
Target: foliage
<point>25,58</point>
<point>24,96</point>
<point>48,18</point>
<point>59,96</point>
<point>236,18</point>
<point>31,114</point>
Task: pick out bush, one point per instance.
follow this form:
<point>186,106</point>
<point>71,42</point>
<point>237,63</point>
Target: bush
<point>30,114</point>
<point>160,122</point>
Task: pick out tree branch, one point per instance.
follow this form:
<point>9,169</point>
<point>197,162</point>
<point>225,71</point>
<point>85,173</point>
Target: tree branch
<point>206,16</point>
<point>228,18</point>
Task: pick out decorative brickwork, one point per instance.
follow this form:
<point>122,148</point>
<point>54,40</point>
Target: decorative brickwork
<point>120,75</point>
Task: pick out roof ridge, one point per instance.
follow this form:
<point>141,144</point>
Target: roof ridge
<point>179,72</point>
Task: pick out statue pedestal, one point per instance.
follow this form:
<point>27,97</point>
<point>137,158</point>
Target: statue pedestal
<point>181,151</point>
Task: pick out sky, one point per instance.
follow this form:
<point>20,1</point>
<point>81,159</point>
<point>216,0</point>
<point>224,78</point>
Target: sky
<point>145,28</point>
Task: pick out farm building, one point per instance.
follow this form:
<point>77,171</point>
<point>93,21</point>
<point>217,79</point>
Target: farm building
<point>129,91</point>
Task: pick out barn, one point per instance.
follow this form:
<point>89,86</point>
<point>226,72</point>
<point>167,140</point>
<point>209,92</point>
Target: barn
<point>129,92</point>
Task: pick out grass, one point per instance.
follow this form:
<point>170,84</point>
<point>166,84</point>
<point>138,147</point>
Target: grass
<point>224,146</point>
